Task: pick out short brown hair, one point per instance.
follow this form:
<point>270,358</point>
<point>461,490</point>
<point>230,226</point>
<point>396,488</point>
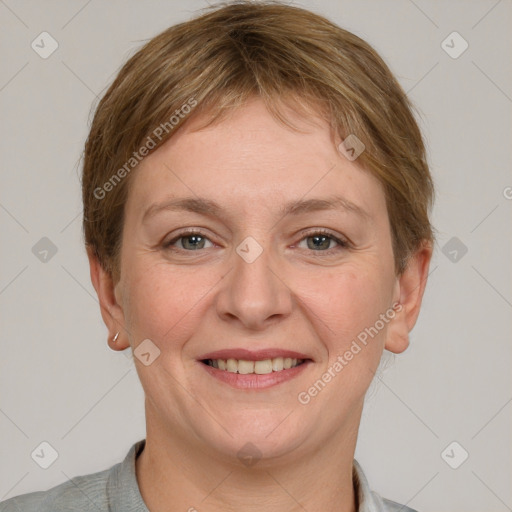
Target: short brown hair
<point>282,54</point>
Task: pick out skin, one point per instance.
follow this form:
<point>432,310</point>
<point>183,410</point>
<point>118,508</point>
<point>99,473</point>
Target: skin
<point>312,300</point>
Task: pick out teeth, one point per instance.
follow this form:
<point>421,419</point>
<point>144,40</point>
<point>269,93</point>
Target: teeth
<point>245,367</point>
<point>231,365</point>
<point>262,367</point>
<point>277,364</point>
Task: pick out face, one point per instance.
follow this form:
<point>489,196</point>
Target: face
<point>250,241</point>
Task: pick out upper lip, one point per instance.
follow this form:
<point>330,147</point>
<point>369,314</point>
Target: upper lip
<point>252,355</point>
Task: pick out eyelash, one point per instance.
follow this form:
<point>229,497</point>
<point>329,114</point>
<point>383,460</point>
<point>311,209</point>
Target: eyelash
<point>342,244</point>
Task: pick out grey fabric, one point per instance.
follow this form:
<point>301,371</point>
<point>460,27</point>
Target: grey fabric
<point>116,490</point>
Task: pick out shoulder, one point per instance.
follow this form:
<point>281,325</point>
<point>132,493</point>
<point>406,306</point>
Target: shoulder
<point>371,501</point>
<point>86,492</point>
<point>115,488</point>
<point>393,506</point>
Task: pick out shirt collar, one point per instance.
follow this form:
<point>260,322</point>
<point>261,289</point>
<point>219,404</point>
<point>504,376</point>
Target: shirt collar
<point>123,491</point>
<point>124,494</point>
<point>368,501</point>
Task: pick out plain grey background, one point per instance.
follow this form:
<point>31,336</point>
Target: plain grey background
<point>59,381</point>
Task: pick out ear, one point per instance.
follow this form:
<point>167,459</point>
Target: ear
<point>409,289</point>
<point>111,309</point>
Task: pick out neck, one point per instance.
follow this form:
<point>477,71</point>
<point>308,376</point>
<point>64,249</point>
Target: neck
<point>173,475</point>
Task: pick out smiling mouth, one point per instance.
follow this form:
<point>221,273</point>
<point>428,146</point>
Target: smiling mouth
<point>261,367</point>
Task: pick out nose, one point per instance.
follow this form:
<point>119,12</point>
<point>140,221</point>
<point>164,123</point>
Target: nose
<point>254,294</point>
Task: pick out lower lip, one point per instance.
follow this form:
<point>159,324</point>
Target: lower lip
<point>253,380</point>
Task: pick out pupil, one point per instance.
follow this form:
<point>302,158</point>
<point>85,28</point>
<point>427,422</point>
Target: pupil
<point>322,240</point>
<point>196,241</point>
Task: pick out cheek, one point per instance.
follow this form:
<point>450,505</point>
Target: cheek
<point>346,303</point>
<point>163,304</point>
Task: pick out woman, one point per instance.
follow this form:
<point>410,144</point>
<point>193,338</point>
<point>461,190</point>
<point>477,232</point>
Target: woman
<point>256,217</point>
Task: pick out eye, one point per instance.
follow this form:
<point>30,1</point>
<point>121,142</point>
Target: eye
<point>322,241</point>
<point>189,241</point>
<point>317,241</point>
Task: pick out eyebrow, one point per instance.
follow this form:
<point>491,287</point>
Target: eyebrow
<point>205,206</point>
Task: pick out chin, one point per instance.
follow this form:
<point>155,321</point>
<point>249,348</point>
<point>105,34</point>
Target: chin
<point>256,437</point>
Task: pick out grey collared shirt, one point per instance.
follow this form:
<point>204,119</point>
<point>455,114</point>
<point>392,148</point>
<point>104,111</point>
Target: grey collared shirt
<point>116,490</point>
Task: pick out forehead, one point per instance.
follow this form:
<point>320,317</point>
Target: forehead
<point>251,158</point>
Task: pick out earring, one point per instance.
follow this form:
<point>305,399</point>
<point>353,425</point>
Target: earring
<point>114,339</point>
